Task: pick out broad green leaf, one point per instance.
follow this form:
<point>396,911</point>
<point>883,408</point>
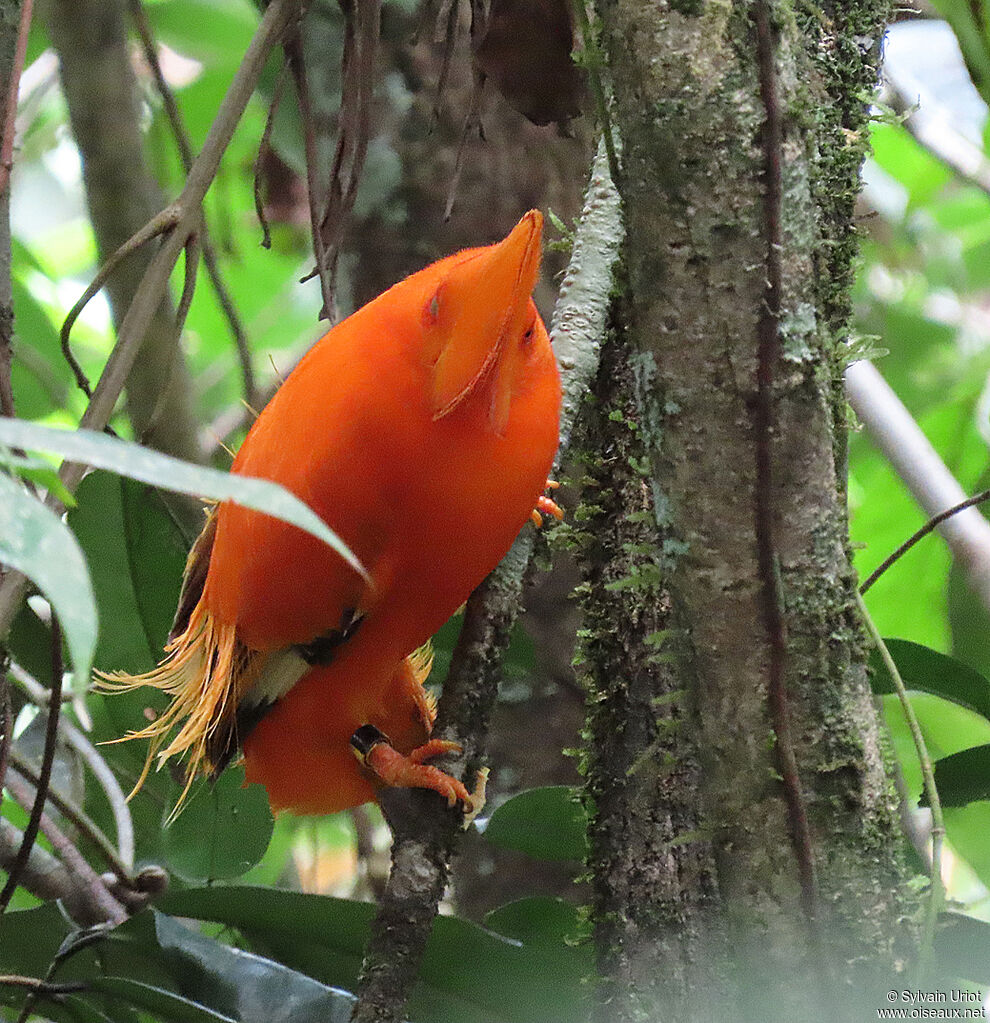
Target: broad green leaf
<point>469,975</point>
<point>538,920</point>
<point>928,671</point>
<point>33,540</point>
<point>225,981</point>
<point>215,32</point>
<point>967,828</point>
<point>963,777</point>
<point>30,644</point>
<point>38,472</point>
<point>947,728</point>
<point>136,556</point>
<point>221,832</point>
<point>546,823</point>
<point>138,463</point>
<point>901,156</point>
<point>162,1003</point>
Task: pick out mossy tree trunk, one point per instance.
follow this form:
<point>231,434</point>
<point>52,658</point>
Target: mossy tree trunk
<point>745,844</point>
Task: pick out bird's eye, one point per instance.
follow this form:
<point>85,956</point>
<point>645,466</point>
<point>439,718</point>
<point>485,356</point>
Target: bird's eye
<point>431,311</point>
<point>527,336</point>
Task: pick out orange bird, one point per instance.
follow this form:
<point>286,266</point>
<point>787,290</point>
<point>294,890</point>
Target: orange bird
<point>421,429</point>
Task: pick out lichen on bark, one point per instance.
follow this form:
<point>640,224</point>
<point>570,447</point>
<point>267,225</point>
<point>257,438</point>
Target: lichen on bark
<point>689,107</point>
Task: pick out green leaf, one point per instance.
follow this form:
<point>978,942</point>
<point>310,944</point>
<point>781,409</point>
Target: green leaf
<point>537,920</point>
<point>966,828</point>
<point>38,472</point>
<point>546,823</point>
<point>928,671</point>
<point>162,1003</point>
<point>138,463</point>
<point>226,982</point>
<point>33,540</point>
<point>136,555</point>
<point>222,831</point>
<point>469,974</point>
<point>963,777</point>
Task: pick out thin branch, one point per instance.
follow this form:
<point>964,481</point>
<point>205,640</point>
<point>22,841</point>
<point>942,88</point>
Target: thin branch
<point>41,987</point>
<point>592,49</point>
<point>45,877</point>
<point>45,774</point>
<point>105,777</point>
<point>6,722</point>
<point>919,465</point>
<point>10,100</point>
<point>294,53</point>
<point>264,146</point>
<point>425,833</point>
<point>472,121</point>
<point>154,282</point>
<point>77,817</point>
<point>190,266</point>
<point>936,898</point>
<point>159,225</point>
<point>928,527</point>
<point>181,137</point>
<point>361,32</point>
<point>765,510</point>
<point>84,877</point>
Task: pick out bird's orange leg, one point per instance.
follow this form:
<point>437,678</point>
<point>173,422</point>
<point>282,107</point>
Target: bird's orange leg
<point>546,506</point>
<point>399,770</point>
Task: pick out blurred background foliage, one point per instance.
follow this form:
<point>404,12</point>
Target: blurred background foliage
<point>922,305</point>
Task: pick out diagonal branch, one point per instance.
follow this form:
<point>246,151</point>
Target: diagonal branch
<point>425,836</point>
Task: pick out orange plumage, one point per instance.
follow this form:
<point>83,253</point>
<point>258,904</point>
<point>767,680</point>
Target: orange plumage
<point>421,429</point>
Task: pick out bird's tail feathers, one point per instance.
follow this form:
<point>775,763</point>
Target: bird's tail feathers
<point>204,670</point>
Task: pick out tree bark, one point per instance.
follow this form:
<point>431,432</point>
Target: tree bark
<point>102,94</point>
<point>745,846</point>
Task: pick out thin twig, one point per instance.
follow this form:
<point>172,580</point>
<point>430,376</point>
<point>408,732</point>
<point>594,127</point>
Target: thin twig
<point>77,816</point>
<point>471,121</point>
<point>10,100</point>
<point>161,223</point>
<point>45,774</point>
<point>765,503</point>
<point>264,146</point>
<point>181,137</point>
<point>361,31</point>
<point>99,894</point>
<point>91,756</point>
<point>190,266</point>
<point>937,893</point>
<point>6,722</point>
<point>589,39</point>
<point>41,987</point>
<point>920,534</point>
<point>294,53</point>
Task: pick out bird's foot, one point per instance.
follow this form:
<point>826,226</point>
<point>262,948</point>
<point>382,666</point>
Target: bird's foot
<point>400,770</point>
<point>546,506</point>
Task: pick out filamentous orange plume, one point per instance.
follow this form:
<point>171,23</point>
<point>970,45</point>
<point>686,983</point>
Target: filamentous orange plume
<point>421,429</point>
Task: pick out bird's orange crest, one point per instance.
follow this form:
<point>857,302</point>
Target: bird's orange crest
<point>479,306</point>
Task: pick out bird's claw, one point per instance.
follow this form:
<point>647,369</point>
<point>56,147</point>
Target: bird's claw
<point>546,506</point>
